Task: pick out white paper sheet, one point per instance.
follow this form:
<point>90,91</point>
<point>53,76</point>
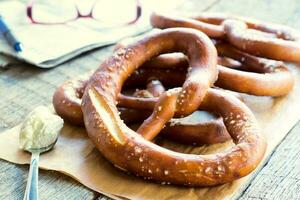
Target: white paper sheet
<point>49,45</point>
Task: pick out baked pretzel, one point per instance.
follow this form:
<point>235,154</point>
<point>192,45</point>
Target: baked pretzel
<point>129,151</point>
<point>262,45</point>
<point>256,76</point>
<point>279,82</point>
<point>193,99</point>
<point>67,100</point>
<point>207,130</point>
<point>269,78</point>
<point>262,39</point>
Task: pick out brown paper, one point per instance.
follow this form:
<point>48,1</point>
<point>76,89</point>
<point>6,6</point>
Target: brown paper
<point>75,155</point>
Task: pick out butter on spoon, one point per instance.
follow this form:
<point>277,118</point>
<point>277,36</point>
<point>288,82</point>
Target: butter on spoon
<point>38,134</point>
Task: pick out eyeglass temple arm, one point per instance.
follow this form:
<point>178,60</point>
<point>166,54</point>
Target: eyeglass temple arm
<point>138,12</point>
<point>29,10</point>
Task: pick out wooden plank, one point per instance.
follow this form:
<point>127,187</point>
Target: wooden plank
<point>22,88</point>
<point>52,185</point>
<point>279,11</point>
<point>280,178</point>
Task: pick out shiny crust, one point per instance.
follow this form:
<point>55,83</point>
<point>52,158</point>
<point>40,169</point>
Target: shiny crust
<point>153,162</point>
<point>129,151</point>
<point>276,80</point>
<point>162,21</point>
<point>274,85</point>
<point>258,38</point>
<point>256,76</point>
<point>261,77</point>
<point>203,132</point>
<point>202,75</point>
<point>242,72</point>
<point>239,35</point>
<point>67,98</point>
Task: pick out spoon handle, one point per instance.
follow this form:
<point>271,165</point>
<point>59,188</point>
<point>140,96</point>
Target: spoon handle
<point>31,192</point>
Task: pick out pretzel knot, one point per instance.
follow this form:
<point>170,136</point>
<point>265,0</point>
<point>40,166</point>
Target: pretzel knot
<point>252,36</point>
<point>133,152</point>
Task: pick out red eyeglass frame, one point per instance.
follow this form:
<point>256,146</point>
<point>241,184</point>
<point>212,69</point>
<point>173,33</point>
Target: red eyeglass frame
<point>79,15</point>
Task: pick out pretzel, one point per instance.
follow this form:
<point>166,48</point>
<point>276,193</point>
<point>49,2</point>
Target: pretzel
<point>129,151</point>
<point>243,38</point>
<point>196,133</point>
<point>257,76</point>
<point>279,82</point>
<point>163,21</point>
<point>260,76</point>
<point>138,103</point>
<point>207,130</point>
<point>262,39</point>
<point>67,100</point>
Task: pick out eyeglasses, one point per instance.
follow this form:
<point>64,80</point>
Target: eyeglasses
<point>109,12</point>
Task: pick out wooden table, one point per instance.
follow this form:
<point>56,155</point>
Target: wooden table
<point>23,87</point>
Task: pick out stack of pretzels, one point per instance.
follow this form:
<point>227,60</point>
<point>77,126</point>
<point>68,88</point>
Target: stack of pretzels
<point>182,69</point>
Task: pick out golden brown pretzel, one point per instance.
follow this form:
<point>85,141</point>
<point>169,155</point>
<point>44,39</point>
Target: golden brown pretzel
<point>146,159</point>
<point>281,31</point>
<point>207,130</point>
<point>258,76</point>
<point>155,87</point>
<point>201,75</point>
<point>262,77</point>
<point>131,152</point>
<point>275,81</point>
<point>262,45</point>
<point>271,85</point>
<point>163,21</point>
<point>67,101</point>
<point>262,39</point>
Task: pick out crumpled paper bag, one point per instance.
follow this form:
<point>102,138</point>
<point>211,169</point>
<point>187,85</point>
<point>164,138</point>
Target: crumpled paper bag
<point>75,155</point>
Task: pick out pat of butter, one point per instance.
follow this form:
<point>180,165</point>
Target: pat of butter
<point>39,129</point>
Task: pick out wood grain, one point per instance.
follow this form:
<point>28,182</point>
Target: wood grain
<point>19,84</point>
<point>280,178</point>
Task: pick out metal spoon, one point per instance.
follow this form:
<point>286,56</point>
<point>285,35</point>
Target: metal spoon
<point>31,192</point>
